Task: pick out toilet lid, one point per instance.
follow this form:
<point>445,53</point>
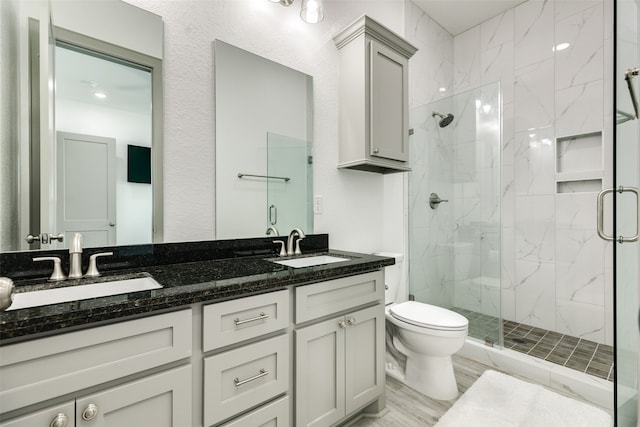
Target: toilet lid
<point>429,316</point>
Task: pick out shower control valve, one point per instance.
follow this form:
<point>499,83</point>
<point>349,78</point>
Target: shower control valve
<point>435,200</point>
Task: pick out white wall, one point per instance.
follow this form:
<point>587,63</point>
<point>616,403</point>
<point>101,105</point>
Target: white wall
<point>353,200</point>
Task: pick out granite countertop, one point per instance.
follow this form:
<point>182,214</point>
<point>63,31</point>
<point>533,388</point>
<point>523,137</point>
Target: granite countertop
<point>183,284</point>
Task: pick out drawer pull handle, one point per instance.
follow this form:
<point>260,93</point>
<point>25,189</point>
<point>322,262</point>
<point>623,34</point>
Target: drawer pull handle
<point>239,382</point>
<point>261,316</point>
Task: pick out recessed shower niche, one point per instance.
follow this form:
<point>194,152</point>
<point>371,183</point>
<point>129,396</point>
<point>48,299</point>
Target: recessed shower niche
<point>579,163</point>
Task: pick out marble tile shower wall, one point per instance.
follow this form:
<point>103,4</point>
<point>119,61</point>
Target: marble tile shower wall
<point>556,272</point>
<point>430,79</point>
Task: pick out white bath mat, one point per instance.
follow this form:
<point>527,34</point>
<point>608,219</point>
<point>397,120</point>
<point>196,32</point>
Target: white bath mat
<point>499,400</point>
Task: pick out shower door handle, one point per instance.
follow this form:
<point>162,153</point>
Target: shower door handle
<point>619,239</point>
<point>273,215</point>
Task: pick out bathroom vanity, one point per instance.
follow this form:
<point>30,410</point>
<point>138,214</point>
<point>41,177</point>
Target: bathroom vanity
<point>233,340</point>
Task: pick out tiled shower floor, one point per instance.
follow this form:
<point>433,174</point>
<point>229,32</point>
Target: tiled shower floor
<point>572,352</point>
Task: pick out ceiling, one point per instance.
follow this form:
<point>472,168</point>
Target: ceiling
<point>457,16</point>
<point>79,76</point>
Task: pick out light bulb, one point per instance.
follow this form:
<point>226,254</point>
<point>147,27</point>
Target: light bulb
<point>311,11</point>
<point>560,46</point>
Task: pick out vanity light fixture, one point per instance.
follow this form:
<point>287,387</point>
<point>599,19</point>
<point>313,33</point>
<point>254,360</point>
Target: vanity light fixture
<point>311,11</point>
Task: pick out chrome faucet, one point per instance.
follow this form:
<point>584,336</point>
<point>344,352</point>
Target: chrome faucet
<point>75,256</point>
<point>292,235</point>
<point>272,230</point>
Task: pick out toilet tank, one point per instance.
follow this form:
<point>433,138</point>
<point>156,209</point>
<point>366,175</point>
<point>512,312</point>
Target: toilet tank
<point>392,276</point>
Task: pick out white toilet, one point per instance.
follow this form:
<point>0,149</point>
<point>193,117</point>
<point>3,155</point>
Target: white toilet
<point>420,340</point>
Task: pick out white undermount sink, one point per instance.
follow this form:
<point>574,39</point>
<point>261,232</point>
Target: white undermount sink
<point>311,261</point>
<point>81,292</point>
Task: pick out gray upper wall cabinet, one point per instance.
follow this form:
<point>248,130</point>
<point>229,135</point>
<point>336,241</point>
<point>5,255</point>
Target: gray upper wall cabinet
<point>374,101</point>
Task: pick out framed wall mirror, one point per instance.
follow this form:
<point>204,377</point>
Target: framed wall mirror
<point>92,91</point>
<point>264,175</point>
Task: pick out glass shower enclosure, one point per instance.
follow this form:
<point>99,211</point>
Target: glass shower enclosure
<point>454,243</point>
<point>627,181</point>
<point>290,183</point>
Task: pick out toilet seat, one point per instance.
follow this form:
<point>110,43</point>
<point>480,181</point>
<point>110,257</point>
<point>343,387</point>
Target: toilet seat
<point>429,316</point>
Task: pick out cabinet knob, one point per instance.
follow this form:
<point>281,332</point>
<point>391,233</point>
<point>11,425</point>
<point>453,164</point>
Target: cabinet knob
<point>90,412</point>
<point>60,420</point>
<point>376,151</point>
<point>351,321</point>
<point>342,324</point>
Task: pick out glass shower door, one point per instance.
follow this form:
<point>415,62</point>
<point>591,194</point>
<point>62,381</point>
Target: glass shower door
<point>454,245</point>
<point>627,180</point>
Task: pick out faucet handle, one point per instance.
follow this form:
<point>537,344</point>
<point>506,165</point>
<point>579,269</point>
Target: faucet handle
<point>298,251</point>
<point>57,273</point>
<point>283,252</point>
<point>92,271</point>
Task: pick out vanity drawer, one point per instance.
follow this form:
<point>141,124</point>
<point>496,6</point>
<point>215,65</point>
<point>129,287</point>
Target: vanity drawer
<point>38,370</point>
<point>326,298</point>
<point>240,379</point>
<point>237,320</point>
<point>274,414</point>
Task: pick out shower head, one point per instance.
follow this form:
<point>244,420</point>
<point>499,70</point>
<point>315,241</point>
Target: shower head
<point>445,119</point>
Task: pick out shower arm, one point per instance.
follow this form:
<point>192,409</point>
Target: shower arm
<point>628,75</point>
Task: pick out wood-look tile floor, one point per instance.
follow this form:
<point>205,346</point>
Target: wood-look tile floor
<point>408,408</point>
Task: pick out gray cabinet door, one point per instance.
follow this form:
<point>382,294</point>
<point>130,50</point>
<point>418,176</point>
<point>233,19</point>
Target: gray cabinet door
<point>389,103</point>
<point>320,373</point>
<point>162,400</point>
<point>339,366</point>
<point>57,416</point>
<point>364,352</point>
